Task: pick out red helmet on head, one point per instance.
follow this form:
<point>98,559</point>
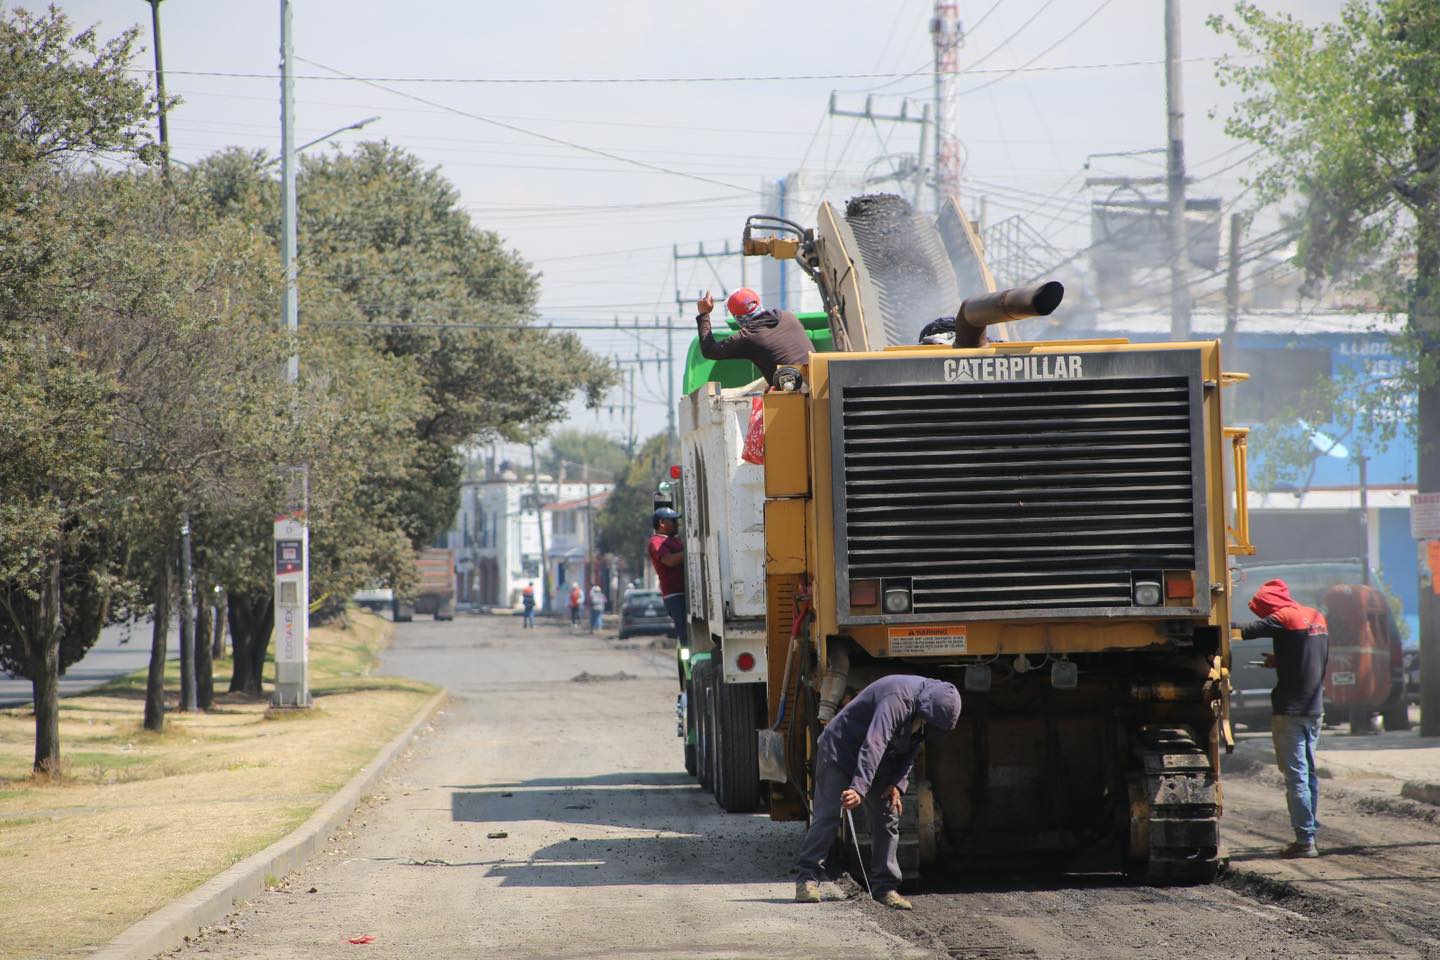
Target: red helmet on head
<point>743,302</point>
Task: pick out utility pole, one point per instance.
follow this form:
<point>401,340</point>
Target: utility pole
<point>189,701</point>
<point>540,522</point>
<point>188,697</point>
<point>630,437</point>
<point>291,533</point>
<point>1175,175</point>
<point>160,91</point>
<point>1232,289</point>
<point>672,435</point>
<point>904,116</point>
<point>947,37</point>
<point>590,579</point>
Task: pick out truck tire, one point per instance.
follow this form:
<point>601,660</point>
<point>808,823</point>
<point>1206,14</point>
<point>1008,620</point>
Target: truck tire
<point>737,781</point>
<point>691,741</point>
<point>699,690</point>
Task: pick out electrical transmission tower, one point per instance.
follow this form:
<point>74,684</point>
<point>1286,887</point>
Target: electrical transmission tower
<point>947,35</point>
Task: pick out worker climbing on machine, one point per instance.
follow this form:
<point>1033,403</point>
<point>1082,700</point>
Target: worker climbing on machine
<point>767,338</point>
<point>1302,647</point>
<point>865,756</point>
<point>667,556</point>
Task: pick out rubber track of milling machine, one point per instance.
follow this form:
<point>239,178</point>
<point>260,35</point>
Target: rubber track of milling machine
<point>1174,810</point>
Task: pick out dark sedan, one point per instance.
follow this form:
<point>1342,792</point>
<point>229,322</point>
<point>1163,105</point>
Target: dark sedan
<point>643,613</point>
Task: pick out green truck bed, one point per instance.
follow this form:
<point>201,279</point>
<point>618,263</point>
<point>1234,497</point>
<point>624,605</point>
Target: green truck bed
<point>737,373</point>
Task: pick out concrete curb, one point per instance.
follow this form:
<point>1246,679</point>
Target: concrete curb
<point>169,926</point>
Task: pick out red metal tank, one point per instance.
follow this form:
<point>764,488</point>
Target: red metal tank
<point>1360,646</point>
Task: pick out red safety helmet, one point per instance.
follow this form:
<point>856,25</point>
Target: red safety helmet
<point>743,302</point>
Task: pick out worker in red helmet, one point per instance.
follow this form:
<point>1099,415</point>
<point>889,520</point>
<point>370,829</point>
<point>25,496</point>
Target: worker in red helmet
<point>767,338</point>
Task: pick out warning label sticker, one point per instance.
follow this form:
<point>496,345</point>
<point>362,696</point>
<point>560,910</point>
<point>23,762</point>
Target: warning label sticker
<point>923,641</point>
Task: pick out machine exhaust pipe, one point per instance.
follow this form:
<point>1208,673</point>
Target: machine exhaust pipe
<point>1017,303</point>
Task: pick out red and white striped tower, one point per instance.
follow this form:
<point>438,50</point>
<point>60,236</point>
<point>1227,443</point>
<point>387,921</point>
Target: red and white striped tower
<point>947,37</point>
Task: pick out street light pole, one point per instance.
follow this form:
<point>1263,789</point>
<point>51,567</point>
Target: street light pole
<point>291,531</point>
<point>160,90</point>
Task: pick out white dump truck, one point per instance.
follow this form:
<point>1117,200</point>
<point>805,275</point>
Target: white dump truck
<point>724,700</point>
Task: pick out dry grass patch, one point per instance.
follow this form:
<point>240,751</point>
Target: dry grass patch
<point>140,818</point>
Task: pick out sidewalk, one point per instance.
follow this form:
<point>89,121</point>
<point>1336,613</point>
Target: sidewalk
<point>1382,763</point>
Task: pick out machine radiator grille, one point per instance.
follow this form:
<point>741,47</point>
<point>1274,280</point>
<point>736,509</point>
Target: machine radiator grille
<point>1018,496</point>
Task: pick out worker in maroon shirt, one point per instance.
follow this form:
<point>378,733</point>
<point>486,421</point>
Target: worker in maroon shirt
<point>667,556</point>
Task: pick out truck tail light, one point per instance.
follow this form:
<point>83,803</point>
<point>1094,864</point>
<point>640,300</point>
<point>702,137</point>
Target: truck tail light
<point>1180,585</point>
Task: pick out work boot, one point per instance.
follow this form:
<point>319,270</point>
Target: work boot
<point>807,891</point>
<point>893,900</point>
<point>1300,850</point>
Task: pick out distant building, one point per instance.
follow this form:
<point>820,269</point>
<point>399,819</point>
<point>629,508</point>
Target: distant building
<point>1318,517</point>
<point>496,535</point>
<point>570,544</point>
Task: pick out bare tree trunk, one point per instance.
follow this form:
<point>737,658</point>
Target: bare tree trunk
<point>155,680</point>
<point>217,650</point>
<point>45,675</point>
<point>204,665</point>
<point>252,618</point>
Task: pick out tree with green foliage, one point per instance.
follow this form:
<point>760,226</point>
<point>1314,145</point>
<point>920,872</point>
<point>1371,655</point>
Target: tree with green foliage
<point>65,98</point>
<point>1348,119</point>
<point>623,527</point>
<point>390,235</point>
<point>570,448</point>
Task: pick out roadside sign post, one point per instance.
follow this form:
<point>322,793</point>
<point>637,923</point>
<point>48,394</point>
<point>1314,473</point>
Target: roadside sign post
<point>292,612</point>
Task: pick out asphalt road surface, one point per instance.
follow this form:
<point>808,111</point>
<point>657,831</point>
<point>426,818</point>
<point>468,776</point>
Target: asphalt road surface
<point>548,817</point>
<point>121,649</point>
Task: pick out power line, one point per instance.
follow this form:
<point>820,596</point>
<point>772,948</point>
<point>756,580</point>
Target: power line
<point>618,158</point>
<point>1004,43</point>
<point>340,76</point>
<point>1029,63</point>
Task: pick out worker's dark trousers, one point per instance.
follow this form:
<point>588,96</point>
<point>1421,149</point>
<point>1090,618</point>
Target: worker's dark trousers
<point>825,821</point>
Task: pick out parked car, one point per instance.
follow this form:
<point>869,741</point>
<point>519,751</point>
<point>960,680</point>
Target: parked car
<point>1313,584</point>
<point>642,613</point>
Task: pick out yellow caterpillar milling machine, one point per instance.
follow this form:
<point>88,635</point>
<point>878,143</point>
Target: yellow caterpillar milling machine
<point>1042,523</point>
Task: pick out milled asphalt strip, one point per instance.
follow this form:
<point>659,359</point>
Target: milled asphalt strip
<point>168,927</point>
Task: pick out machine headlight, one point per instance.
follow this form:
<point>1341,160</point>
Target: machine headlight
<point>684,653</point>
<point>1147,594</point>
<point>897,600</point>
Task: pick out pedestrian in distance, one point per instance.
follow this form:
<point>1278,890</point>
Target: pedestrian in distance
<point>597,607</point>
<point>576,600</point>
<point>864,758</point>
<point>667,556</point>
<point>527,600</point>
<point>767,338</point>
<point>1302,649</point>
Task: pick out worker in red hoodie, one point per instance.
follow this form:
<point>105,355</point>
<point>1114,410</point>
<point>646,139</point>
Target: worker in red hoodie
<point>1302,647</point>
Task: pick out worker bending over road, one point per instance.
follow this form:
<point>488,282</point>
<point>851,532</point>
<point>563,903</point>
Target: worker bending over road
<point>865,756</point>
<point>767,338</point>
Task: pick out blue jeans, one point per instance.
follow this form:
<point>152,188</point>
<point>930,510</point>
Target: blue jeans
<point>1294,739</point>
<point>825,816</point>
<point>529,616</point>
<point>675,606</point>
